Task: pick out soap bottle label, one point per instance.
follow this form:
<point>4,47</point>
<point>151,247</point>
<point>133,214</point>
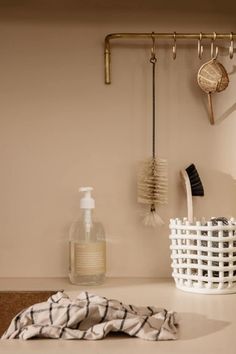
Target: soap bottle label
<point>89,258</point>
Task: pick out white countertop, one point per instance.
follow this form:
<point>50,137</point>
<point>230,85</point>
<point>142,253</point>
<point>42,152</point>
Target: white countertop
<point>207,322</point>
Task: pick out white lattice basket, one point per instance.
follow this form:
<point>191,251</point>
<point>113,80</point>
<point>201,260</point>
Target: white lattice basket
<point>204,256</point>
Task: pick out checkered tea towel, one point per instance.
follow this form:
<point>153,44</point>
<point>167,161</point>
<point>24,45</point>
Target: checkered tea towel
<point>92,317</point>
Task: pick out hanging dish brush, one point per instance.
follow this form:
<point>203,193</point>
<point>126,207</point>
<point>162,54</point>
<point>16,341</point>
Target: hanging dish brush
<point>152,177</point>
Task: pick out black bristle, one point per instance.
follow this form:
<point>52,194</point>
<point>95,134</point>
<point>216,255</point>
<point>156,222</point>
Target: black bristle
<point>195,181</point>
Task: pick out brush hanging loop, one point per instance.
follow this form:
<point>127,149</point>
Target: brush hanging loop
<point>153,61</point>
<point>231,48</point>
<point>153,49</point>
<point>200,46</point>
<point>214,50</point>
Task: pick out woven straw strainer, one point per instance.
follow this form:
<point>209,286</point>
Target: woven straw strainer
<point>212,77</point>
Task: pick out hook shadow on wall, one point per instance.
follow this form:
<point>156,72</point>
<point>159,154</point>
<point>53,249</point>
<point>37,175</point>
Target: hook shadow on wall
<point>219,81</point>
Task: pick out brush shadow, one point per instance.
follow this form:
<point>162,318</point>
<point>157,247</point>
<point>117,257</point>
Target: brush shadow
<point>225,115</point>
<point>233,71</point>
<point>192,326</point>
<point>220,188</point>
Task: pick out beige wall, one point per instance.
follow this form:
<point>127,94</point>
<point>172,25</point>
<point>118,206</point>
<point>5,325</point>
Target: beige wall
<point>61,128</point>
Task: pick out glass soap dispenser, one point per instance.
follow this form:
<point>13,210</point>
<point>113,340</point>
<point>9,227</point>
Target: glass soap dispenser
<point>87,248</point>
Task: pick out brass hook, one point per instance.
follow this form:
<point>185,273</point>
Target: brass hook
<point>153,49</point>
<point>174,46</point>
<point>231,48</point>
<point>214,53</point>
<point>200,46</point>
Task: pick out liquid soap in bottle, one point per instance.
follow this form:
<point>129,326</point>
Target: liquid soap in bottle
<point>87,246</point>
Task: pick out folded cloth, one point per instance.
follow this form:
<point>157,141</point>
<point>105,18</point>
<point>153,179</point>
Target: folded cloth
<point>91,317</point>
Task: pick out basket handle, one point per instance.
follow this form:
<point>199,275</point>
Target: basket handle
<point>210,109</point>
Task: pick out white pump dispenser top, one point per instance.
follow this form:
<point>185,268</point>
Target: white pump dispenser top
<point>87,203</point>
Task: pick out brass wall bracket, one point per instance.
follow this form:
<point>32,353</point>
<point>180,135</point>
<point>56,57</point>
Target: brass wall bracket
<point>168,36</point>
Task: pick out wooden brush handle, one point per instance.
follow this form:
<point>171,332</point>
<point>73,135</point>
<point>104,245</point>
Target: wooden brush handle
<point>187,184</point>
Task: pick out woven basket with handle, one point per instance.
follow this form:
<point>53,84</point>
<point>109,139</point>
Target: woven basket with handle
<point>212,77</point>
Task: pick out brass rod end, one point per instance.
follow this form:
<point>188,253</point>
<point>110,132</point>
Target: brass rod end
<point>107,63</point>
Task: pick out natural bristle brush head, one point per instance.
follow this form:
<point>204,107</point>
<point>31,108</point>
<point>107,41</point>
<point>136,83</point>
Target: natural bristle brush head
<point>153,188</point>
<point>195,181</point>
<point>153,182</point>
<point>152,218</point>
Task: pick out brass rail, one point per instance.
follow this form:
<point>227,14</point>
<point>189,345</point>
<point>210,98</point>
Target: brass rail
<point>107,50</point>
